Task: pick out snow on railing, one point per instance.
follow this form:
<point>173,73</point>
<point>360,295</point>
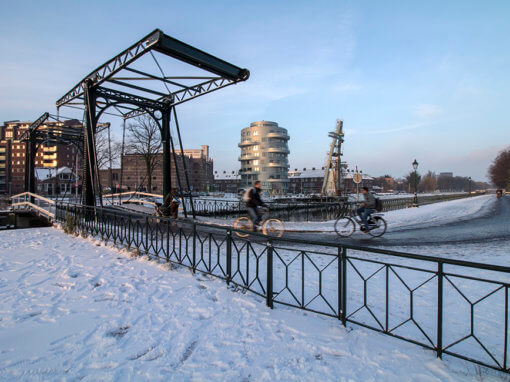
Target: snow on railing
<point>31,201</point>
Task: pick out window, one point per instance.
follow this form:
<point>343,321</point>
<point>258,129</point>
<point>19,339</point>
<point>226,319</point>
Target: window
<point>256,132</point>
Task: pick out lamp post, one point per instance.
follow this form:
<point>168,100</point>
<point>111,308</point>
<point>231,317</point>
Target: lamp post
<point>469,180</point>
<point>415,166</point>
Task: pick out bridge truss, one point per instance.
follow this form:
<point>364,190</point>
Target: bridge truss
<point>127,90</point>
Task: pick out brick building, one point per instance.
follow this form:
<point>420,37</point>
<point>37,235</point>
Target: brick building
<point>198,163</point>
<point>12,155</point>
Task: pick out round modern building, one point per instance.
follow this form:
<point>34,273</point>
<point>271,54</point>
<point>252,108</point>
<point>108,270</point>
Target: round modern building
<point>264,157</point>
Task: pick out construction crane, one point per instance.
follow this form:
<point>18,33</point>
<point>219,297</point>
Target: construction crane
<point>332,183</point>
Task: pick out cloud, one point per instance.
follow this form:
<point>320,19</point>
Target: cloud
<point>344,87</point>
<point>427,110</point>
<point>413,126</point>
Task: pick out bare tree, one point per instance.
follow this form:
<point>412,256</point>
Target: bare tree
<point>499,170</point>
<point>107,149</point>
<point>144,139</point>
<point>428,183</point>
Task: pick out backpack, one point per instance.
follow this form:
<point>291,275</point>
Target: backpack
<point>247,195</point>
<point>378,205</point>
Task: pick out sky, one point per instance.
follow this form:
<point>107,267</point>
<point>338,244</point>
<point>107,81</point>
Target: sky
<point>411,80</point>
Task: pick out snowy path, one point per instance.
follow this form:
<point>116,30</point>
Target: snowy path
<point>478,220</point>
<point>72,310</point>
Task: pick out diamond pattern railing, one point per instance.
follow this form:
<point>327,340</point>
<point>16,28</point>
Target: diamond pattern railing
<point>452,307</point>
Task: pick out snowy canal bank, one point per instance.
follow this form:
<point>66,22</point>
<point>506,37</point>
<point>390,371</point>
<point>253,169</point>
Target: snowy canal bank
<point>72,308</point>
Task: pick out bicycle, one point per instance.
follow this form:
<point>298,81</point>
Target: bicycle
<point>345,226</point>
<point>270,227</point>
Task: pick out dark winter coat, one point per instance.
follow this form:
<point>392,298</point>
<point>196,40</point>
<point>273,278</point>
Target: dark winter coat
<point>369,200</point>
<point>254,200</point>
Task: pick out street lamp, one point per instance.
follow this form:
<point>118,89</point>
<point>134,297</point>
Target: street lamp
<point>469,180</point>
<point>415,166</point>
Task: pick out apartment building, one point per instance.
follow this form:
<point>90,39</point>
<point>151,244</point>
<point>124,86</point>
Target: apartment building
<point>264,157</point>
<point>13,151</point>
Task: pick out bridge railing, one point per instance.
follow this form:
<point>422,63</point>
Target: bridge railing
<point>33,202</point>
<point>312,209</point>
<point>452,307</point>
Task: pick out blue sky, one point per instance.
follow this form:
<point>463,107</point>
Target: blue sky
<point>426,80</point>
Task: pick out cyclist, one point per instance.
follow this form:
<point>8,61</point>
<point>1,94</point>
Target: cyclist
<point>366,209</point>
<point>170,206</point>
<point>253,202</point>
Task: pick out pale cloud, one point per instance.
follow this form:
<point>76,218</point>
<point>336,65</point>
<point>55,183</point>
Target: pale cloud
<point>413,126</point>
<point>426,110</point>
<point>345,87</point>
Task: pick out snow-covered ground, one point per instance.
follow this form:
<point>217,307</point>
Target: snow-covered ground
<point>75,309</point>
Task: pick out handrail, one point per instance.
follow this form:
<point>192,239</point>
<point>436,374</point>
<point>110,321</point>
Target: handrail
<point>32,205</point>
<point>33,195</point>
<point>131,193</point>
<point>142,201</point>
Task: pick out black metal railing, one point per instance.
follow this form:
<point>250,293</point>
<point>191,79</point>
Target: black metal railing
<point>306,209</point>
<point>452,307</point>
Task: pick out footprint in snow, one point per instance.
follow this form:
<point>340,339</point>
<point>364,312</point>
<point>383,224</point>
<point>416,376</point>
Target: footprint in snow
<point>118,333</point>
<point>189,351</point>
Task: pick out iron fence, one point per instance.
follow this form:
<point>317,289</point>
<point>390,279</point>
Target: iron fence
<point>305,209</point>
<point>452,307</point>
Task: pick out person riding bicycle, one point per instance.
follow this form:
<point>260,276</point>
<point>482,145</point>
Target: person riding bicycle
<point>366,209</point>
<point>170,206</point>
<point>253,202</point>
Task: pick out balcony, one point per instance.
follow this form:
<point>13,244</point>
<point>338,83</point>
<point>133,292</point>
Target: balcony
<point>278,180</point>
<point>278,135</point>
<point>247,157</point>
<point>247,142</point>
<point>280,149</point>
<point>251,172</point>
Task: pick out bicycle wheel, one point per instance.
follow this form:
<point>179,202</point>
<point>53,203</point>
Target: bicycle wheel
<point>273,228</point>
<point>344,226</point>
<point>377,226</point>
<point>243,223</point>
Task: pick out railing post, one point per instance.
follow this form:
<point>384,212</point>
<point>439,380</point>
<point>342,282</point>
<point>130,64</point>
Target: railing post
<point>269,275</point>
<point>129,233</point>
<point>343,285</point>
<point>167,240</point>
<point>194,247</point>
<point>505,351</point>
<point>440,309</point>
<point>147,235</point>
<point>229,256</point>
